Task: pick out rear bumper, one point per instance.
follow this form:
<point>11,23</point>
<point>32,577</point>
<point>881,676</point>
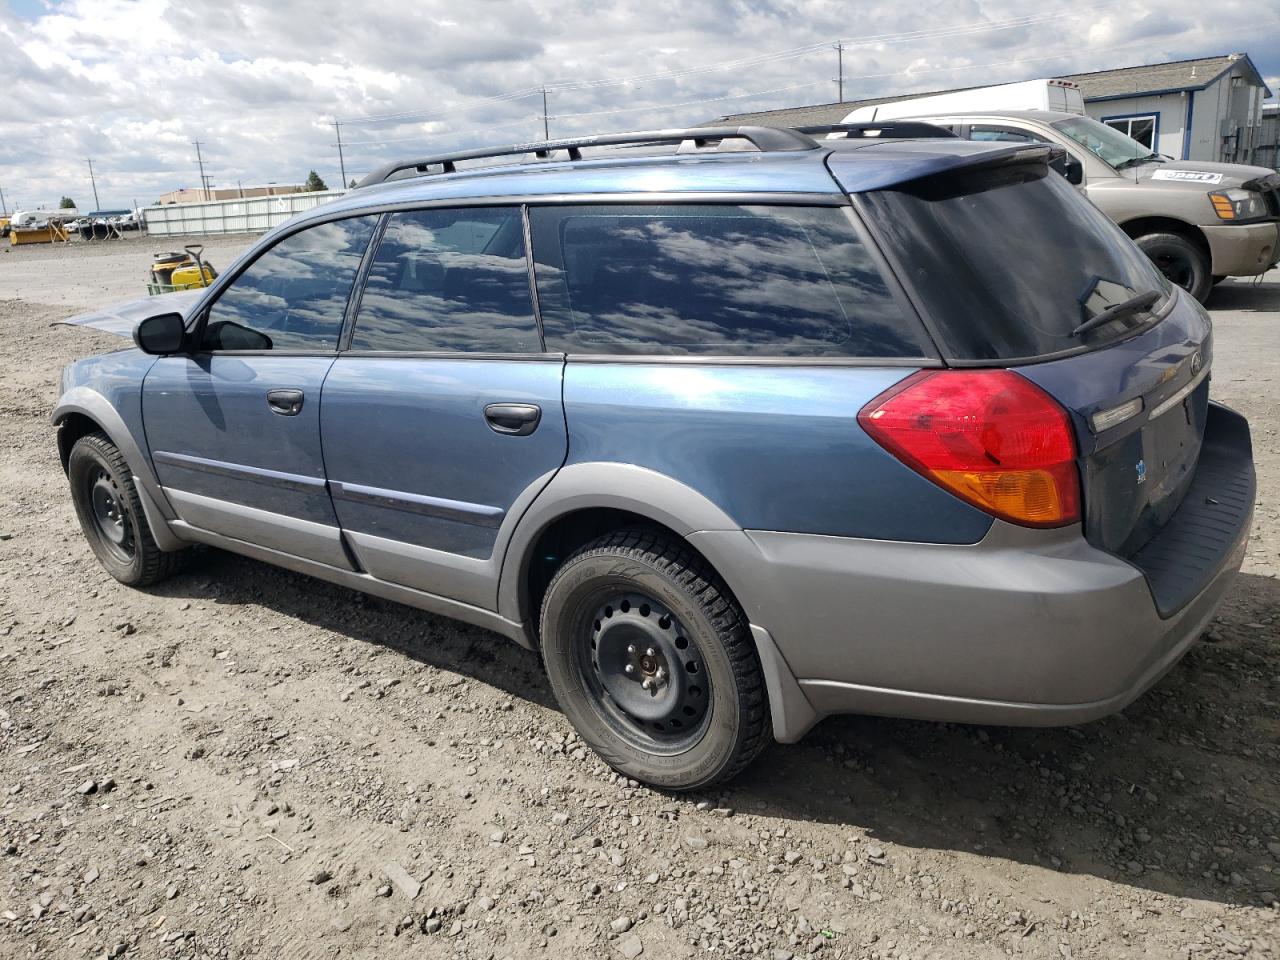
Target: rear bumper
<point>1027,627</point>
<point>1243,250</point>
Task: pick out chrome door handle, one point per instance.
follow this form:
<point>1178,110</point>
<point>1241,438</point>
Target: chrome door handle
<point>513,419</point>
<point>287,403</point>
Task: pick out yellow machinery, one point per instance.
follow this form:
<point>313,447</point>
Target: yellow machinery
<point>53,232</point>
<point>174,271</point>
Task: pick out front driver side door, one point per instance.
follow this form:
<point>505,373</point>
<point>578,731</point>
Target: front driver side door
<point>234,428</point>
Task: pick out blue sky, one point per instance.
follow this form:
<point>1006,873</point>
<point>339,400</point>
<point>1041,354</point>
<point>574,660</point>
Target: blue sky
<point>132,82</point>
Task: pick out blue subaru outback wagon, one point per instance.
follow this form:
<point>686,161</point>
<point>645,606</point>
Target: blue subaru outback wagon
<point>736,427</point>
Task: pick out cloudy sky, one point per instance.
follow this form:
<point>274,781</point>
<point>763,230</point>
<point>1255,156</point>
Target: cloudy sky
<point>131,83</point>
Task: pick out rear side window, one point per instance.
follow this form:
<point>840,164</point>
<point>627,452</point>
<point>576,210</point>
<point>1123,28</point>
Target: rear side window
<point>714,280</point>
<point>449,280</point>
<point>1010,260</point>
<point>294,295</point>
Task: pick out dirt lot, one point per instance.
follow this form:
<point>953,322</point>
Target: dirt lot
<point>244,762</point>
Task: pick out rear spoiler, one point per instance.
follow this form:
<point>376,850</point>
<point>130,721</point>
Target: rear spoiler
<point>912,160</point>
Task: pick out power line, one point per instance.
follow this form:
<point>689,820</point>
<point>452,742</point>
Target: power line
<point>688,103</point>
<point>527,119</point>
<point>757,60</point>
<point>721,99</point>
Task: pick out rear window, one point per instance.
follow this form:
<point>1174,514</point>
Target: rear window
<point>714,280</point>
<point>1010,260</point>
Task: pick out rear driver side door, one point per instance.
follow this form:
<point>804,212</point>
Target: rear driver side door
<point>443,418</point>
<point>234,427</point>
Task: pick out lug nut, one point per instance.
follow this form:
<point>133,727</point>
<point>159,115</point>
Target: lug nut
<point>629,668</point>
<point>631,649</point>
<point>651,652</point>
<point>646,683</point>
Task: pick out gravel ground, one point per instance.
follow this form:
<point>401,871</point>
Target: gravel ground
<point>244,762</point>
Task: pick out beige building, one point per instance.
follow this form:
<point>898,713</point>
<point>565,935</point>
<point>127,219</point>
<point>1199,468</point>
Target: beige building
<point>196,195</point>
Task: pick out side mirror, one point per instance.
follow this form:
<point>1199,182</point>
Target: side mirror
<point>1068,166</point>
<point>165,333</point>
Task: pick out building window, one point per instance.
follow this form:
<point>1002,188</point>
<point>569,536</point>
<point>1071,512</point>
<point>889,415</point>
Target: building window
<point>1142,128</point>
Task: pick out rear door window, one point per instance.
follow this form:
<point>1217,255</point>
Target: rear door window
<point>715,280</point>
<point>1009,261</point>
<point>449,281</point>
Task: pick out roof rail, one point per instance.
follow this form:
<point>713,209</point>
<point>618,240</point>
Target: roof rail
<point>765,139</point>
<point>890,129</point>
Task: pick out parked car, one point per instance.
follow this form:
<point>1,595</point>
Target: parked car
<point>737,436</point>
<point>1199,222</point>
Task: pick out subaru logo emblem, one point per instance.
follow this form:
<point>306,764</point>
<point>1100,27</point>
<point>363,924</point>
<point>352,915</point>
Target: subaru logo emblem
<point>1197,361</point>
<point>1141,468</point>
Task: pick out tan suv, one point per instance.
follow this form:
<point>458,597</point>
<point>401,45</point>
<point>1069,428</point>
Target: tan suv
<point>1200,222</point>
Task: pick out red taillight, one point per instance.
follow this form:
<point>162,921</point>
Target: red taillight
<point>991,437</point>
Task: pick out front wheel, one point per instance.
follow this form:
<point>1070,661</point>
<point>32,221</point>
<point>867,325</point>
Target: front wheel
<point>652,661</point>
<point>111,516</point>
<point>1180,260</point>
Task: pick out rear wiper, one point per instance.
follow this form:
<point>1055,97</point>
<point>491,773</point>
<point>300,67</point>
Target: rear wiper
<point>1118,310</point>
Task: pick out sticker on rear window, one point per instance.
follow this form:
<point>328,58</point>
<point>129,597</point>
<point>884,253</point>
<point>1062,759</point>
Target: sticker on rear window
<point>1190,176</point>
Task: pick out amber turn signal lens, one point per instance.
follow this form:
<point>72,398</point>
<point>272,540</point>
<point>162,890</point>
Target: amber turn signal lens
<point>990,437</point>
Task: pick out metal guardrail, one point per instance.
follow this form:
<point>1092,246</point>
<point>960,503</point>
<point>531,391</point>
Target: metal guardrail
<point>248,215</point>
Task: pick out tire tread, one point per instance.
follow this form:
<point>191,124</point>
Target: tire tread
<point>156,564</point>
<point>676,560</point>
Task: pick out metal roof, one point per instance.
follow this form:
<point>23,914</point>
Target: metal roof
<point>1099,85</point>
<point>1160,77</point>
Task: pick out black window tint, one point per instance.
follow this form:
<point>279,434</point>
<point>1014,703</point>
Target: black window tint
<point>1009,261</point>
<point>294,295</point>
<point>453,280</point>
<point>714,280</point>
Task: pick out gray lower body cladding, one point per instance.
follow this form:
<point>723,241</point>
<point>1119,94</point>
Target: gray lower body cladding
<point>1026,627</point>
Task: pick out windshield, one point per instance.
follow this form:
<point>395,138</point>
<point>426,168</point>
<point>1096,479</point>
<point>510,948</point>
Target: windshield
<point>1106,143</point>
<point>1010,261</point>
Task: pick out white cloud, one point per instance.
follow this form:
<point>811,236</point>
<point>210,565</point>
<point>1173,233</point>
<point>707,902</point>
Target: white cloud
<point>132,82</point>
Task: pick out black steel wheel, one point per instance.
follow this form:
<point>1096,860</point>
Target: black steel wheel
<point>111,516</point>
<point>648,676</point>
<point>1180,260</point>
<point>114,528</point>
<point>652,661</point>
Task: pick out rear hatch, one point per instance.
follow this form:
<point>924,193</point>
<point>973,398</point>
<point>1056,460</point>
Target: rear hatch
<point>1012,268</point>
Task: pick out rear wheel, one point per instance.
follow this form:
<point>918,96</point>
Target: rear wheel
<point>652,661</point>
<point>1180,260</point>
<point>111,516</point>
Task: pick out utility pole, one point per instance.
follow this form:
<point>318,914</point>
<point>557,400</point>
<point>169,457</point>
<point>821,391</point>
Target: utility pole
<point>240,187</point>
<point>4,210</point>
<point>200,160</point>
<point>337,129</point>
<point>96,204</point>
<point>840,67</point>
<point>546,131</point>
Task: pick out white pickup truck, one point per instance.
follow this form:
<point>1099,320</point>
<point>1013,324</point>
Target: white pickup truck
<point>1199,222</point>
